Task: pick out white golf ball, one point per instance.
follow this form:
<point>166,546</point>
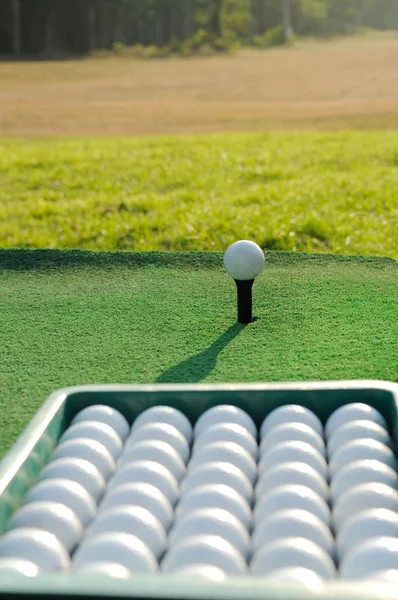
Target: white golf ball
<point>294,473</point>
<point>290,413</point>
<point>218,473</point>
<point>362,471</point>
<point>200,572</point>
<point>216,496</point>
<point>159,452</point>
<point>140,494</point>
<point>227,432</point>
<point>67,492</point>
<point>18,566</point>
<point>225,452</point>
<point>37,546</point>
<point>375,555</point>
<point>287,452</point>
<point>376,522</point>
<point>147,471</point>
<point>165,414</point>
<point>99,432</point>
<point>54,517</point>
<point>363,497</point>
<point>294,432</point>
<point>364,449</point>
<point>161,432</point>
<point>224,413</point>
<point>134,520</point>
<point>293,523</point>
<point>290,497</point>
<point>296,575</point>
<point>293,552</point>
<point>357,430</point>
<point>244,260</point>
<point>356,411</point>
<point>104,414</point>
<point>109,569</point>
<point>122,548</point>
<point>386,576</point>
<point>90,450</point>
<point>206,550</point>
<point>76,469</point>
<point>212,521</point>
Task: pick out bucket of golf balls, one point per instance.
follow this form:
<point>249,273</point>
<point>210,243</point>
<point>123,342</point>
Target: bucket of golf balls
<point>290,485</point>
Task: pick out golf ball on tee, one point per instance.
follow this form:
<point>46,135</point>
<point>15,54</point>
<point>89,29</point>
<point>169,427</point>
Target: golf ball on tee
<point>363,497</point>
<point>356,430</point>
<point>224,413</point>
<point>161,432</point>
<point>78,470</point>
<point>377,522</point>
<point>364,449</point>
<point>362,471</point>
<point>104,414</point>
<point>35,545</point>
<point>54,517</point>
<point>290,413</point>
<point>165,414</point>
<point>356,411</point>
<point>375,555</point>
<point>225,452</point>
<point>294,473</point>
<point>218,473</point>
<point>67,492</point>
<point>110,569</point>
<point>90,450</point>
<point>94,430</point>
<point>147,471</point>
<point>159,452</point>
<point>18,566</point>
<point>297,432</point>
<point>287,452</point>
<point>244,260</point>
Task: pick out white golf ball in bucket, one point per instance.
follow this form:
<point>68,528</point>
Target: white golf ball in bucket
<point>225,452</point>
<point>206,550</point>
<point>227,432</point>
<point>218,473</point>
<point>200,572</point>
<point>67,492</point>
<point>364,449</point>
<point>290,413</point>
<point>161,432</point>
<point>293,523</point>
<point>122,548</point>
<point>244,260</point>
<point>290,497</point>
<point>224,413</point>
<point>385,576</point>
<point>99,432</point>
<point>134,520</point>
<point>18,566</point>
<point>54,517</point>
<point>297,432</point>
<point>293,473</point>
<point>357,411</point>
<point>361,527</point>
<point>160,452</point>
<point>109,569</point>
<point>165,414</point>
<point>362,471</point>
<point>147,471</point>
<point>363,497</point>
<point>78,470</point>
<point>90,450</point>
<point>212,521</point>
<point>356,430</point>
<point>104,414</point>
<point>216,496</point>
<point>140,494</point>
<point>286,452</point>
<point>293,552</point>
<point>37,546</point>
<point>370,557</point>
<point>296,575</point>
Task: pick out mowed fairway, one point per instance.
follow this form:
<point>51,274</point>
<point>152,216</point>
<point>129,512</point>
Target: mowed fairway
<point>72,318</point>
<point>344,84</point>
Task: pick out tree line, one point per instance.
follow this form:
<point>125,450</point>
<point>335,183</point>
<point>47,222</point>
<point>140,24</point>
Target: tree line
<point>51,28</point>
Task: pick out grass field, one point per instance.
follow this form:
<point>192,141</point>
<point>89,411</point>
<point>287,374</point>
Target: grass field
<point>333,192</point>
<point>345,84</point>
<point>70,318</point>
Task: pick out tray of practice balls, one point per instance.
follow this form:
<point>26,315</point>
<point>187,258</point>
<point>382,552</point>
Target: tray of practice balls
<point>204,491</point>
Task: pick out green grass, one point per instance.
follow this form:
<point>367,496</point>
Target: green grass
<point>71,318</point>
<point>322,192</point>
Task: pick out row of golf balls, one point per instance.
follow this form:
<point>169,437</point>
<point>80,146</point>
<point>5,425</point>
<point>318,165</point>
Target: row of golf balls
<point>213,461</point>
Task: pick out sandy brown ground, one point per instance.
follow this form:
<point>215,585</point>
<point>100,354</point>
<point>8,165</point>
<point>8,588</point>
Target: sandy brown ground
<point>343,84</point>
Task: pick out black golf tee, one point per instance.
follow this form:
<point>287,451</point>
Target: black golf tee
<point>244,289</point>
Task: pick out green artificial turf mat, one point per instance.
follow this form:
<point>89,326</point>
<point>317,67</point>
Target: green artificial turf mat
<point>78,317</point>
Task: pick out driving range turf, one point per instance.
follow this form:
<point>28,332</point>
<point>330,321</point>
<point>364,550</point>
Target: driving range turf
<point>80,317</point>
